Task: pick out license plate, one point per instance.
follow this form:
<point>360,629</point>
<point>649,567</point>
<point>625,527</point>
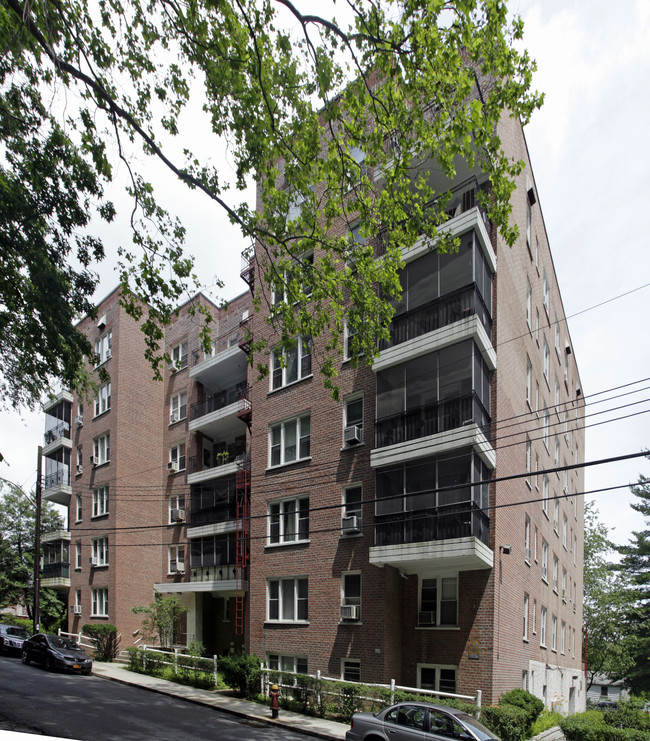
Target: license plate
<point>76,666</point>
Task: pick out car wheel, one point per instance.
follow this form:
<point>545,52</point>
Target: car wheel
<point>49,664</point>
<point>24,658</point>
<point>87,672</point>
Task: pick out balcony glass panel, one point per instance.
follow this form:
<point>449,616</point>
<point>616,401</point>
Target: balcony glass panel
<point>219,400</point>
<point>213,501</point>
<point>57,422</point>
<point>56,571</point>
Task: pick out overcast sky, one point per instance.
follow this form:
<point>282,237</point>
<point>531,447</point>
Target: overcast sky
<point>590,155</point>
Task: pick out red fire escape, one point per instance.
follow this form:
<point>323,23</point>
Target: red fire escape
<point>243,490</point>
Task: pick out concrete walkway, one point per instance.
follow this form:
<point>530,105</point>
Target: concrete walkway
<point>318,727</point>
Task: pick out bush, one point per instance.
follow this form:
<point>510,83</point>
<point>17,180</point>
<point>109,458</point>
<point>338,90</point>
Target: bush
<point>242,673</point>
<point>105,638</point>
<point>507,721</point>
<point>628,714</point>
<point>591,726</point>
<point>546,720</point>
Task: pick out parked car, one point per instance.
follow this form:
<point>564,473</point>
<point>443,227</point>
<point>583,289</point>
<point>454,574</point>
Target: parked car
<point>11,639</point>
<point>417,721</point>
<point>56,652</point>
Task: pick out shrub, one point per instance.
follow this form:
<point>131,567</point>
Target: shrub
<point>105,639</point>
<point>591,726</point>
<point>546,720</point>
<point>628,714</point>
<point>242,673</point>
<point>507,721</point>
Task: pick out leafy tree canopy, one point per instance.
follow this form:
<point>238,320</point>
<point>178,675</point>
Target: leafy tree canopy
<point>17,531</point>
<point>606,601</point>
<point>334,122</point>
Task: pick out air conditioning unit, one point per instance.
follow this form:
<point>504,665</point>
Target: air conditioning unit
<point>178,515</point>
<point>173,417</point>
<point>528,554</point>
<point>180,567</point>
<point>92,461</point>
<point>108,355</point>
<point>351,524</point>
<point>75,609</point>
<point>352,435</point>
<point>171,467</point>
<point>79,420</point>
<point>426,618</point>
<point>94,561</point>
<point>350,612</point>
<point>80,469</point>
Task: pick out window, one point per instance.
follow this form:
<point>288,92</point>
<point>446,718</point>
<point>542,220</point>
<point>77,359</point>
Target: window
<point>537,326</point>
<point>101,450</point>
<point>284,279</point>
<point>529,218</point>
<point>553,633</point>
<point>438,601</point>
<point>557,397</point>
<point>438,678</point>
<point>176,559</point>
<point>529,304</point>
<point>351,670</point>
<point>564,594</point>
<point>542,627</point>
<point>556,455</point>
<point>178,357</point>
<point>289,521</point>
<point>77,597</point>
<point>100,501</point>
<point>545,494</point>
<point>103,399</point>
<point>176,509</point>
<point>545,424</point>
<point>555,568</point>
<point>355,237</point>
<point>177,407</point>
<point>535,544</point>
<point>287,600</point>
<point>291,364</point>
<point>349,351</point>
<point>565,526</point>
<point>528,456</point>
<point>80,459</point>
<point>103,347</point>
<point>100,552</point>
<point>547,299</point>
<point>177,457</point>
<point>526,604</point>
<point>566,369</point>
<point>353,410</point>
<point>557,337</point>
<point>527,553</point>
<point>534,618</point>
<point>78,508</point>
<point>556,516</point>
<point>529,381</point>
<point>358,169</point>
<point>99,603</point>
<point>351,596</point>
<point>544,560</point>
<point>289,441</point>
<point>296,664</point>
<point>547,362</point>
<point>77,555</point>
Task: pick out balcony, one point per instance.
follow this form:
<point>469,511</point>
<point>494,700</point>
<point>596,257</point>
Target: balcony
<point>214,463</point>
<point>226,579</point>
<point>455,537</point>
<point>432,419</point>
<point>58,431</point>
<point>56,576</point>
<point>220,415</point>
<point>56,486</point>
<point>226,361</point>
<point>55,569</point>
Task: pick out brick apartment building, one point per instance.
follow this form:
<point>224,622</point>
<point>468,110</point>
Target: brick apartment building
<point>423,529</point>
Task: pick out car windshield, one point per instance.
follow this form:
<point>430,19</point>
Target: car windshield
<point>18,632</point>
<point>59,642</point>
<point>482,733</point>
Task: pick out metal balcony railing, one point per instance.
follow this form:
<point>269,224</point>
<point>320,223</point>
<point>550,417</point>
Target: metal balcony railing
<point>461,520</point>
<point>216,572</point>
<point>432,419</point>
<point>439,313</point>
<point>57,432</point>
<point>220,400</point>
<point>60,477</point>
<point>215,459</point>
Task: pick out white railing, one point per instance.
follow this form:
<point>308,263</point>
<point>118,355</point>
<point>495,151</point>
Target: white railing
<point>79,638</point>
<point>175,659</point>
<point>393,687</point>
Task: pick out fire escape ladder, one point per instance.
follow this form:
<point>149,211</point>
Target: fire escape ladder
<point>242,481</point>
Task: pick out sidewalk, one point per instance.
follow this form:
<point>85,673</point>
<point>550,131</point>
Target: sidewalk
<point>326,729</point>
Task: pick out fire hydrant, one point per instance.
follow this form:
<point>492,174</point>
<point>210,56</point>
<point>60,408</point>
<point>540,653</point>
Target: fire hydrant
<point>274,694</point>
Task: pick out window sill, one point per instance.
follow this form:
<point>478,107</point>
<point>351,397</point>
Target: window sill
<point>178,421</point>
<point>100,617</point>
<point>290,385</point>
<point>98,517</point>
<point>99,465</point>
<point>297,623</point>
<point>101,414</point>
<point>438,627</point>
<point>352,447</point>
<point>525,640</point>
<point>527,562</point>
<point>288,544</point>
<point>100,566</point>
<point>291,463</point>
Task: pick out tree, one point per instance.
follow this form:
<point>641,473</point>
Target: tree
<point>635,563</point>
<point>162,619</point>
<point>17,531</point>
<point>606,601</point>
<point>309,107</point>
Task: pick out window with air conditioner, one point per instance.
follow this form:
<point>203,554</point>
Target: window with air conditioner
<point>438,601</point>
<point>100,552</point>
<point>177,407</point>
<point>99,602</point>
<point>101,450</point>
<point>100,501</point>
<point>287,600</point>
<point>178,357</point>
<point>79,460</point>
<point>103,347</point>
<point>176,559</point>
<point>544,560</point>
<point>176,458</point>
<point>353,421</point>
<point>176,509</point>
<point>289,521</point>
<point>351,596</point>
<point>102,400</point>
<point>291,364</point>
<point>289,441</point>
